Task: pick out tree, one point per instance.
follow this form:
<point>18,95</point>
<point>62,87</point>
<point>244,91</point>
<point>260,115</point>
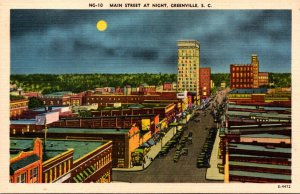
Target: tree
<point>35,103</point>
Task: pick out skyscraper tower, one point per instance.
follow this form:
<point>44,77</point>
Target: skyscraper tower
<point>255,65</point>
<point>188,66</point>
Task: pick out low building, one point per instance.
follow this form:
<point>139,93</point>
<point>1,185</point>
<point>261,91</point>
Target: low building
<point>247,95</point>
<point>26,161</point>
<point>17,107</point>
<point>263,78</point>
<point>124,141</point>
<point>259,163</point>
<point>70,161</point>
<point>63,98</point>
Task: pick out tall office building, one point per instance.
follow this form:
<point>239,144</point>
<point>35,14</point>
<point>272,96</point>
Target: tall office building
<point>188,66</point>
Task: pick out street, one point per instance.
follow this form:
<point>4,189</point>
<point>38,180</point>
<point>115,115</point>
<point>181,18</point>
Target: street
<point>164,170</point>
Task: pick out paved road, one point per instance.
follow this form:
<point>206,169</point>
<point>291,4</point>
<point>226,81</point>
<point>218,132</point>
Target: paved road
<point>164,170</point>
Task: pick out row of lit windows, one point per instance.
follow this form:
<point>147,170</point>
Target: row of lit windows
<point>15,113</point>
<point>242,80</point>
<point>242,74</point>
<point>242,85</point>
<point>18,105</point>
<point>263,77</point>
<point>242,68</point>
<point>185,78</point>
<point>54,173</point>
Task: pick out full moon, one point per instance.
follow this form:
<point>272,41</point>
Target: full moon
<point>101,25</point>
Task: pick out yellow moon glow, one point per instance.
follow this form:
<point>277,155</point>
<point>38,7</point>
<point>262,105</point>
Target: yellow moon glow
<point>101,25</point>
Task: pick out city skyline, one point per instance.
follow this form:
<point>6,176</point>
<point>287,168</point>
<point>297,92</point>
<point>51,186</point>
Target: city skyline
<point>67,41</point>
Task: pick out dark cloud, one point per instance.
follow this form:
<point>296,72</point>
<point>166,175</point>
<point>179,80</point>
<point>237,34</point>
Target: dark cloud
<point>148,55</point>
<point>137,39</point>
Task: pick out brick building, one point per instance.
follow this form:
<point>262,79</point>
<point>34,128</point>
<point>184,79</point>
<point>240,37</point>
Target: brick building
<point>26,164</point>
<point>63,98</point>
<point>263,78</point>
<point>204,83</point>
<point>17,107</point>
<point>67,160</point>
<point>245,76</point>
<point>124,141</point>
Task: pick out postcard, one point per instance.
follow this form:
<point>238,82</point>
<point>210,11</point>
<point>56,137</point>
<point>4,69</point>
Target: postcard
<point>149,96</point>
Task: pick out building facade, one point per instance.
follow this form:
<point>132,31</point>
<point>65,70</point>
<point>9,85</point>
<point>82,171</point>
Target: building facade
<point>60,160</point>
<point>263,78</point>
<point>26,166</point>
<point>188,66</point>
<point>205,82</point>
<point>245,76</point>
<point>17,107</point>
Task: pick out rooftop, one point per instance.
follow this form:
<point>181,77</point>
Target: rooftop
<point>249,91</point>
<point>267,135</point>
<point>248,147</point>
<point>270,158</point>
<point>257,114</point>
<point>260,165</point>
<point>88,131</point>
<point>55,147</point>
<point>259,175</point>
<point>23,163</point>
<point>81,147</point>
<point>253,107</point>
<point>23,122</point>
<point>58,94</point>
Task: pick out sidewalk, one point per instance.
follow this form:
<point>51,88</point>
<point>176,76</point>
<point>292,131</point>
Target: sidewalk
<point>212,173</point>
<point>154,150</point>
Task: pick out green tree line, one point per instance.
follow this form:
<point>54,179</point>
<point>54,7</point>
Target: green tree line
<point>48,83</point>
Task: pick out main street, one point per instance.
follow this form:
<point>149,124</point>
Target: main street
<point>164,170</point>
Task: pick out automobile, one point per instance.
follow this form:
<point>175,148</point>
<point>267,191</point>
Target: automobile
<point>179,147</point>
<point>203,165</point>
<point>184,152</point>
<point>190,134</point>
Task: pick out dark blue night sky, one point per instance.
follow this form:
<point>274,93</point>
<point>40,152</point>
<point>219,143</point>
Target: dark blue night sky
<point>67,41</point>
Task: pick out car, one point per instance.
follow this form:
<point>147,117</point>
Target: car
<point>184,152</point>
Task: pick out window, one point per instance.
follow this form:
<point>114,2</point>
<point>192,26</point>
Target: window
<point>50,178</point>
<point>46,177</point>
<point>22,178</point>
<point>60,167</point>
<point>34,175</point>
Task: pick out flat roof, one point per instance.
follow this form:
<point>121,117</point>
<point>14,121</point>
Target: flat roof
<point>266,115</point>
<point>259,175</point>
<point>249,91</point>
<point>252,164</point>
<point>255,156</point>
<point>23,122</point>
<point>254,107</point>
<point>267,135</point>
<point>87,131</point>
<point>81,147</point>
<point>57,146</point>
<point>247,147</point>
<point>58,94</point>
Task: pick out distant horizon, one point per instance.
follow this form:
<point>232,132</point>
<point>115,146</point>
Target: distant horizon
<point>124,73</point>
<point>136,41</point>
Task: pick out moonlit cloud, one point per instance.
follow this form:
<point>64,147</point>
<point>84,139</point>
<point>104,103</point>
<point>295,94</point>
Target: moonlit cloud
<point>67,41</point>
